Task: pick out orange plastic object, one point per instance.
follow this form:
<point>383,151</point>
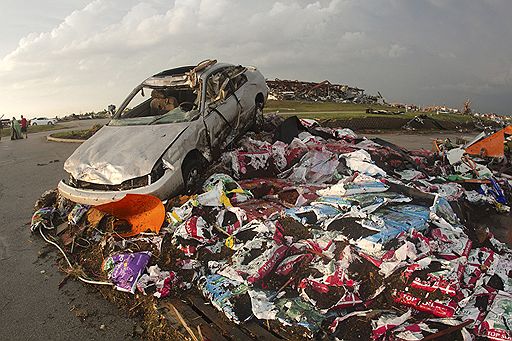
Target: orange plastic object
<point>143,211</point>
<point>492,146</point>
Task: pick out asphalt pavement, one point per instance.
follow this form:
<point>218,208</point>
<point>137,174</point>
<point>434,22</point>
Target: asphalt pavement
<point>32,307</point>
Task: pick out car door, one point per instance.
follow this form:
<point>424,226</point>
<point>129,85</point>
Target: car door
<point>244,96</point>
<point>221,110</point>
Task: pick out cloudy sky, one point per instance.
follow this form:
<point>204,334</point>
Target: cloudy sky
<point>62,56</point>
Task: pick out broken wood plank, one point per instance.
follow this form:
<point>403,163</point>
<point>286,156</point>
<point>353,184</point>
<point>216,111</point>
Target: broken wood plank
<point>250,330</point>
<point>185,324</point>
<point>229,329</point>
<point>442,334</point>
<point>193,320</point>
<point>258,332</point>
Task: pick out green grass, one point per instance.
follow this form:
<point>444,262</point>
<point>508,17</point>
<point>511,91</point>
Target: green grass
<point>298,106</point>
<point>346,111</point>
<point>78,134</point>
<point>6,132</point>
<point>72,134</point>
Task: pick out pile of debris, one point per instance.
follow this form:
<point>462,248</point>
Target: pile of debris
<point>315,229</point>
<point>318,92</point>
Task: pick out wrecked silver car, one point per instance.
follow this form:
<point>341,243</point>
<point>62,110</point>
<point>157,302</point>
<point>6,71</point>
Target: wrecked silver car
<point>168,129</point>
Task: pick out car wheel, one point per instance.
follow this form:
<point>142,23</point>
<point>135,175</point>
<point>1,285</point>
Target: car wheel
<point>49,123</point>
<point>192,170</point>
<point>34,124</point>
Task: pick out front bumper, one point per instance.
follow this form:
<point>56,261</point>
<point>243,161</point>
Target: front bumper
<point>169,184</point>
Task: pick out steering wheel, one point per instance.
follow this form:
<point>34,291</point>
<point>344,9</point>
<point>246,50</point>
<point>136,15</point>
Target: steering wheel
<point>187,106</point>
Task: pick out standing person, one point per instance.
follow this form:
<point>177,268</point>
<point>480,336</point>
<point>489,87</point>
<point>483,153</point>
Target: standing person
<point>15,130</point>
<point>24,127</point>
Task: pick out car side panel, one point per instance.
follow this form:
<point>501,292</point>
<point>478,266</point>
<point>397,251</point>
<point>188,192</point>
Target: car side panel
<point>217,120</point>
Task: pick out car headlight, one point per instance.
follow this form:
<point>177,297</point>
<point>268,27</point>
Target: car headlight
<point>125,185</point>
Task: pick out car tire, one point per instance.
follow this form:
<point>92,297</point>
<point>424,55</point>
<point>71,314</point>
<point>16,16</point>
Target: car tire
<point>49,123</point>
<point>34,124</point>
<point>192,169</point>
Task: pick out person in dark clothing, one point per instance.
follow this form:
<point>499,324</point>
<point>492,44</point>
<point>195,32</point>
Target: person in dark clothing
<point>15,130</point>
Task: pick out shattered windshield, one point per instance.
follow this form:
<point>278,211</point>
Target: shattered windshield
<point>159,106</point>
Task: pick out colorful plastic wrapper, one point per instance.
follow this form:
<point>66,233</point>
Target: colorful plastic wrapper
<point>394,259</point>
<point>450,191</point>
<point>295,150</point>
<point>360,161</point>
<point>495,190</point>
<point>410,174</point>
<point>289,263</point>
<point>442,214</point>
<point>316,166</point>
<point>358,185</point>
<point>296,311</point>
<point>215,197</point>
<point>215,179</point>
<point>345,133</point>
<point>77,213</point>
<point>262,304</point>
<point>479,261</point>
<point>233,191</point>
<point>345,299</point>
<point>387,322</point>
<point>222,291</point>
<point>231,219</point>
<point>447,279</point>
<point>475,306</point>
<point>501,268</point>
<point>252,164</point>
<point>179,214</point>
<point>370,202</point>
<point>124,269</point>
<point>253,269</point>
<point>314,214</point>
<point>261,209</point>
<point>42,217</point>
<point>450,243</point>
<point>162,280</point>
<point>340,203</point>
<point>195,228</point>
<point>395,220</point>
<point>434,307</point>
<point>497,325</point>
<point>413,331</point>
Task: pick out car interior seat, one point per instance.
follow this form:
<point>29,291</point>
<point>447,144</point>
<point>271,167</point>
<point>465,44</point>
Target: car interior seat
<point>160,104</point>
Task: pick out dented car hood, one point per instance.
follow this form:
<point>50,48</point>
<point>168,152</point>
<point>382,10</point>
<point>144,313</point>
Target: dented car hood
<point>119,153</point>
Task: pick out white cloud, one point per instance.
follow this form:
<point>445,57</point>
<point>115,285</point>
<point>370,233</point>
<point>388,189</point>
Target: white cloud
<point>397,51</point>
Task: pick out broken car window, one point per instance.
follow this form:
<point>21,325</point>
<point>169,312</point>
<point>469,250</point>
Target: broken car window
<point>224,83</point>
<point>160,105</point>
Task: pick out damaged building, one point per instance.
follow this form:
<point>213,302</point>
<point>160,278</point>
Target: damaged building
<point>318,92</point>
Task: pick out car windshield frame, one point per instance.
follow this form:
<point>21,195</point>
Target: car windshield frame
<point>176,115</point>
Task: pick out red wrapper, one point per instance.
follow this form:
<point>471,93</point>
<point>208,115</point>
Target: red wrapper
<point>436,308</point>
<point>269,265</point>
<point>289,263</point>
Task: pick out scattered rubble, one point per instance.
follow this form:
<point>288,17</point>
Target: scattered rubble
<point>316,230</point>
<point>318,92</point>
